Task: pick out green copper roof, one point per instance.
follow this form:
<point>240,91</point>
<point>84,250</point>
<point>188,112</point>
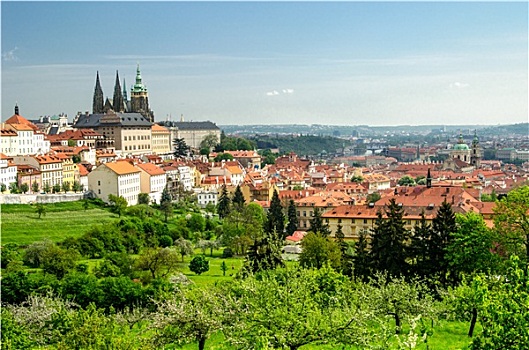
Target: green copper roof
<point>138,87</point>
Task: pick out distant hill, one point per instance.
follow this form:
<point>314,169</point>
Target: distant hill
<point>366,130</point>
<point>308,145</point>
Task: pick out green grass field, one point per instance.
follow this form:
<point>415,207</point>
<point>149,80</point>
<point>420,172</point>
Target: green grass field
<point>21,224</point>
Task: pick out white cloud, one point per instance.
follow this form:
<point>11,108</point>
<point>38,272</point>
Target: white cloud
<point>272,93</point>
<point>10,55</point>
<point>458,85</point>
<point>288,91</point>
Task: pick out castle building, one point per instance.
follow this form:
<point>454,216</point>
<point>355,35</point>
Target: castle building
<point>138,103</point>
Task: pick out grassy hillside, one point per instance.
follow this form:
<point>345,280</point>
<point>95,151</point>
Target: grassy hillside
<point>21,224</point>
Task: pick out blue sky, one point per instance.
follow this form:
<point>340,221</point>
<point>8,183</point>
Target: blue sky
<point>341,63</point>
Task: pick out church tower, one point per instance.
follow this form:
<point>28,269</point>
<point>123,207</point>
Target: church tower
<point>117,101</point>
<point>97,105</point>
<point>475,156</point>
<point>139,98</point>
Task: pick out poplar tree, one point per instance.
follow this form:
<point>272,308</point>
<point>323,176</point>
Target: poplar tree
<point>223,206</point>
<point>443,227</point>
<point>275,218</point>
<point>238,199</point>
<point>292,218</point>
<point>317,225</point>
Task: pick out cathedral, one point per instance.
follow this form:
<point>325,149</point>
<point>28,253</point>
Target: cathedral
<point>138,103</point>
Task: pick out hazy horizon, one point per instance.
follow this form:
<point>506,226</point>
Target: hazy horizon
<point>274,63</point>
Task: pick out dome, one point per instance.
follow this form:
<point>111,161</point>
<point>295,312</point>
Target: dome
<point>461,147</point>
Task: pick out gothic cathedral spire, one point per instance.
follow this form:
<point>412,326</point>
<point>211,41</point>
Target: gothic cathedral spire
<point>117,102</point>
<point>97,104</point>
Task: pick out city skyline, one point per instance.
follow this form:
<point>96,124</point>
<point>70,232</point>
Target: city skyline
<point>340,63</point>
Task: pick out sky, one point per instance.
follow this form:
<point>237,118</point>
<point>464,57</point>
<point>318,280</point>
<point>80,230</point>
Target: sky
<point>336,63</point>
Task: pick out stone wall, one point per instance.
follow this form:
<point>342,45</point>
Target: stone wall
<point>40,198</point>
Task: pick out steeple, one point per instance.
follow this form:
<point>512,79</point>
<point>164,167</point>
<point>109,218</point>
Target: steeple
<point>125,97</point>
<point>98,100</point>
<point>475,157</point>
<point>138,86</point>
<point>16,109</point>
<point>428,179</point>
<point>117,101</point>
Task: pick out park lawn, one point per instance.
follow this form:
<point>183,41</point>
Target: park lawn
<point>21,223</point>
<point>214,274</point>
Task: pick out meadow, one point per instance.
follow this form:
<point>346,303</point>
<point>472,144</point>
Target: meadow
<point>20,223</point>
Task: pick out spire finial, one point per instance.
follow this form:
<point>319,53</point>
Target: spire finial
<point>16,108</point>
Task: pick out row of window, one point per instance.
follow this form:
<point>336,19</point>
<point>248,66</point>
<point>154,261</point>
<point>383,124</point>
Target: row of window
<point>133,137</point>
<point>134,147</point>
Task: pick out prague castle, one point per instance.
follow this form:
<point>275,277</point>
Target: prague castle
<point>138,103</point>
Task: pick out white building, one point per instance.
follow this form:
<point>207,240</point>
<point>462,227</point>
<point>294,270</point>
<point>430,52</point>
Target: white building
<point>8,171</point>
<point>205,197</point>
<point>118,178</point>
<point>153,181</point>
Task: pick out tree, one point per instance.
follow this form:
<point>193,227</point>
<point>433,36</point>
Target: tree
<point>264,254</point>
<point>184,247</point>
<point>406,180</point>
<point>373,197</point>
<point>118,203</point>
<point>357,178</point>
<point>24,188</point>
<point>443,226</point>
<point>56,188</point>
<point>471,249</point>
<point>505,315</point>
<point>13,188</point>
<point>267,312</point>
<point>319,250</point>
<point>35,187</point>
<point>346,258</point>
<point>275,218</point>
<point>223,156</point>
<point>209,142</point>
<point>420,249</point>
<point>292,217</point>
<point>86,204</point>
<point>144,198</point>
<point>223,268</point>
<point>3,187</point>
<point>512,223</point>
<point>46,188</point>
<point>160,262</point>
<point>66,186</point>
<point>58,261</point>
<point>181,149</point>
<point>76,187</point>
<point>196,223</point>
<point>199,264</point>
<point>389,242</point>
<point>361,262</point>
<point>238,199</point>
<point>40,209</point>
<point>166,204</point>
<point>223,205</point>
<point>317,225</point>
<point>189,315</point>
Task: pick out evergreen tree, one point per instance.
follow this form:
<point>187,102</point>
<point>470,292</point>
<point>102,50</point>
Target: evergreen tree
<point>389,244</point>
<point>420,249</point>
<point>317,225</point>
<point>346,259</point>
<point>223,206</point>
<point>292,218</point>
<point>361,257</point>
<point>264,254</point>
<point>275,218</point>
<point>238,199</point>
<point>166,204</point>
<point>181,149</point>
<point>443,225</point>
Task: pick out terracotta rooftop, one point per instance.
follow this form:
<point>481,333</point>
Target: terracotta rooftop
<point>122,168</point>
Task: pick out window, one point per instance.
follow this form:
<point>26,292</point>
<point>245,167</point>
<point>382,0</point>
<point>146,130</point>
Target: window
<point>365,221</point>
<point>99,183</point>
